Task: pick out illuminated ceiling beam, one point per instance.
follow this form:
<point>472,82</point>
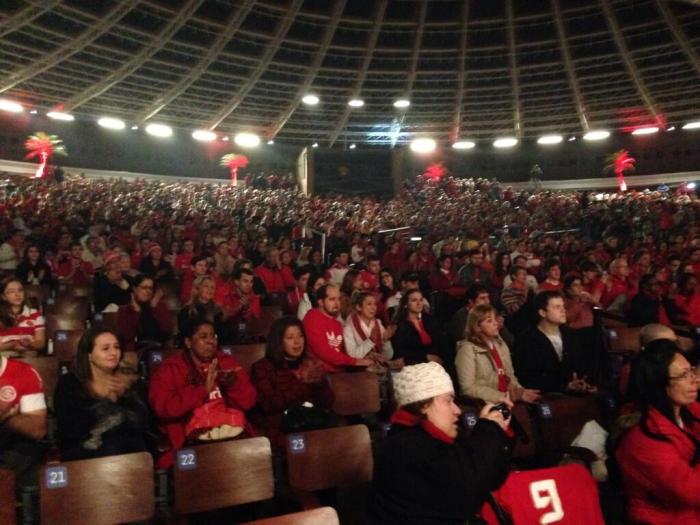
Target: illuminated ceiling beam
<point>25,16</point>
<point>71,47</point>
<point>415,53</point>
<point>627,60</point>
<point>282,28</point>
<point>362,74</point>
<point>514,72</point>
<point>326,40</point>
<point>569,66</point>
<point>205,61</point>
<point>158,42</point>
<point>461,74</point>
<point>678,34</point>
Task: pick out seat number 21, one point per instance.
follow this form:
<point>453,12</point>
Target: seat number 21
<point>545,495</point>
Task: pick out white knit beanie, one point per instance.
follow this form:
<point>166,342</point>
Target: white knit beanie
<point>421,382</point>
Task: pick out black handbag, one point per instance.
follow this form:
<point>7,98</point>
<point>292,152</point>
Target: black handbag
<point>300,418</point>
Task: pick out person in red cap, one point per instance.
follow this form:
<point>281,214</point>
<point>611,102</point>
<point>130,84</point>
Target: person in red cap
<point>199,375</point>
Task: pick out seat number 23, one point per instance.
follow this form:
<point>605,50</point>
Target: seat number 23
<point>544,495</point>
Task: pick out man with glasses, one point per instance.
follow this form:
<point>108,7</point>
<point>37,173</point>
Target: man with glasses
<point>618,287</point>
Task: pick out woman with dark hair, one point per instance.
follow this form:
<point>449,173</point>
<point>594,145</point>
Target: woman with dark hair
<point>659,457</point>
<point>351,282</point>
<point>145,318</point>
<point>287,377</point>
<point>21,327</point>
<point>200,393</point>
<point>34,269</point>
<point>426,472</point>
<point>445,279</point>
<point>416,339</point>
<point>100,409</point>
<point>501,266</point>
<point>154,266</point>
<point>201,307</point>
<point>578,302</point>
<point>308,300</point>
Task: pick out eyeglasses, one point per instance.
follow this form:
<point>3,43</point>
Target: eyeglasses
<point>691,373</point>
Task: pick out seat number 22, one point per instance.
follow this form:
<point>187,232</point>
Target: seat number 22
<point>545,495</point>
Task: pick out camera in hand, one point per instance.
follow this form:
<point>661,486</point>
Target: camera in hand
<point>502,408</point>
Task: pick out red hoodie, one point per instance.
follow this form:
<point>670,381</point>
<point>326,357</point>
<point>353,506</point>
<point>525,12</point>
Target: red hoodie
<point>324,335</point>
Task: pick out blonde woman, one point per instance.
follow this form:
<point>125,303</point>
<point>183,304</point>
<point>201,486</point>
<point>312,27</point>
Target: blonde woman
<point>483,363</point>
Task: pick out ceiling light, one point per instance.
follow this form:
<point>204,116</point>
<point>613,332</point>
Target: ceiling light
<point>310,100</point>
<point>463,144</point>
<point>203,135</point>
<point>270,142</point>
<point>111,123</point>
<point>159,130</point>
<point>134,128</point>
<point>402,103</point>
<point>424,145</point>
<point>692,125</point>
<point>59,115</point>
<point>505,142</point>
<point>550,139</point>
<point>247,140</point>
<point>33,112</point>
<point>10,106</point>
<point>314,145</point>
<point>691,185</point>
<point>599,134</point>
<point>572,139</point>
<point>356,103</point>
<point>671,128</point>
<point>225,138</point>
<point>645,131</point>
<point>352,146</point>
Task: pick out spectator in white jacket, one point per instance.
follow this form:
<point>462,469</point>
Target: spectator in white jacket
<point>364,334</point>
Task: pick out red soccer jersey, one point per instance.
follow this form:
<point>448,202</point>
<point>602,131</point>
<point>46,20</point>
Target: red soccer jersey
<point>561,495</point>
<point>20,385</point>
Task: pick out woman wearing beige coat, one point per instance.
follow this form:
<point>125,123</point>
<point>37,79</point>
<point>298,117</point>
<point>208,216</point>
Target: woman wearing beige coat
<point>483,363</point>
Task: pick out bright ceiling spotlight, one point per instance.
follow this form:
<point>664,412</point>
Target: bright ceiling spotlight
<point>111,123</point>
<point>203,135</point>
<point>691,185</point>
<point>314,145</point>
<point>270,142</point>
<point>225,138</point>
<point>134,128</point>
<point>505,142</point>
<point>33,112</point>
<point>356,103</point>
<point>645,131</point>
<point>671,128</point>
<point>247,140</point>
<point>599,134</point>
<point>352,146</point>
<point>463,144</point>
<point>692,125</point>
<point>550,139</point>
<point>402,103</point>
<point>159,130</point>
<point>310,100</point>
<point>572,139</point>
<point>424,145</point>
<point>10,106</point>
<point>59,115</point>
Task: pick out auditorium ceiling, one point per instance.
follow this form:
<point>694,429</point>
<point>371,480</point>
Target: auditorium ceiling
<point>477,69</point>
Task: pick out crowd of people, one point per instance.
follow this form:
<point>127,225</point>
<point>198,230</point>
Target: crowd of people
<point>476,292</point>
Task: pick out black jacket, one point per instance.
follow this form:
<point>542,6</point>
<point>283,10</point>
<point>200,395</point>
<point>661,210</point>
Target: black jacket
<point>407,344</point>
<point>537,364</point>
<point>420,480</point>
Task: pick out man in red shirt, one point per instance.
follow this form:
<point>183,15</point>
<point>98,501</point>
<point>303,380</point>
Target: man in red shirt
<point>370,275</point>
<point>76,271</point>
<point>241,304</point>
<point>324,332</point>
<point>618,288</point>
<point>199,265</point>
<point>22,419</point>
<point>269,272</point>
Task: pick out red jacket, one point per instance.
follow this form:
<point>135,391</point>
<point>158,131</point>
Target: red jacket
<point>662,485</point>
<point>173,397</point>
<point>324,336</point>
<point>272,278</point>
<point>128,323</point>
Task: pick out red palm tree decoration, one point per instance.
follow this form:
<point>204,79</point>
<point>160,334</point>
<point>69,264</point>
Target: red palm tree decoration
<point>42,146</point>
<point>234,161</point>
<point>621,162</point>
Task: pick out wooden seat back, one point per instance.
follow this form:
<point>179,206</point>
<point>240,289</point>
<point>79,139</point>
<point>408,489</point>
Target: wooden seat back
<point>623,339</point>
<point>107,319</point>
<point>102,491</point>
<point>319,516</point>
<point>561,420</point>
<point>37,294</point>
<point>329,458</point>
<point>246,355</point>
<point>223,474</point>
<point>56,322</point>
<point>522,449</point>
<point>355,393</point>
<point>65,344</point>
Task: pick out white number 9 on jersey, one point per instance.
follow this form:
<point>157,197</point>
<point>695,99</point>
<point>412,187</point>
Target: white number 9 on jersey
<point>544,494</point>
